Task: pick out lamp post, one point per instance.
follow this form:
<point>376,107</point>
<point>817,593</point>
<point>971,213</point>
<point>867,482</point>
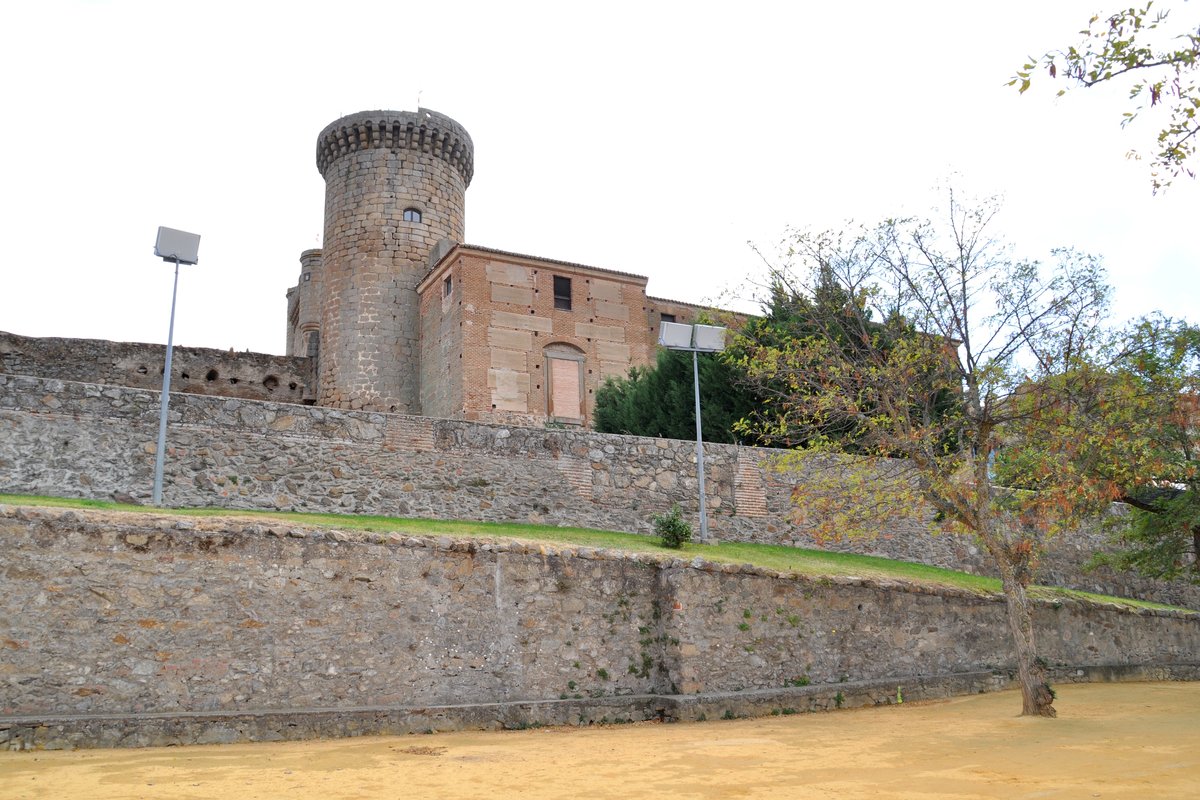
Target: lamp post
<point>182,248</point>
<point>695,339</point>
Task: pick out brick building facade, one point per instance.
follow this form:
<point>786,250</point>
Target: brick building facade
<point>400,315</point>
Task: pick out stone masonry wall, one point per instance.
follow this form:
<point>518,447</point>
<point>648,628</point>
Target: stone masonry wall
<point>377,165</point>
<point>196,370</point>
<point>304,305</point>
<point>84,440</point>
<point>119,614</point>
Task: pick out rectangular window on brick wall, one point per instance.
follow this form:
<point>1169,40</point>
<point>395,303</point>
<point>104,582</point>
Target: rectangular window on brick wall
<point>562,293</point>
<point>448,286</point>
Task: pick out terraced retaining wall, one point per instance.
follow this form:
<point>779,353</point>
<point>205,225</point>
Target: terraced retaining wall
<point>139,629</point>
<point>88,440</point>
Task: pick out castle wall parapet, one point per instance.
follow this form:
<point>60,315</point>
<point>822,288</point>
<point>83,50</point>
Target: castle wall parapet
<point>422,131</point>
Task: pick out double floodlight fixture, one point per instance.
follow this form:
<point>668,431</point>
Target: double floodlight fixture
<point>180,247</point>
<point>695,339</point>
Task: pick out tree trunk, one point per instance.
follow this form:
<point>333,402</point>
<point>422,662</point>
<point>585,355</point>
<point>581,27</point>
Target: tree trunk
<point>1037,698</point>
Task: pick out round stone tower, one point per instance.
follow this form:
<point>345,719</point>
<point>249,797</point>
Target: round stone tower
<point>394,188</point>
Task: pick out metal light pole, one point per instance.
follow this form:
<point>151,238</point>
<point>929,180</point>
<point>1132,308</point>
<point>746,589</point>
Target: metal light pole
<point>695,339</point>
<point>182,248</point>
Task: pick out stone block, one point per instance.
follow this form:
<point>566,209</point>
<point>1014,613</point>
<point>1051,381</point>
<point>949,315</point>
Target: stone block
<point>516,295</point>
<point>510,339</point>
<point>612,310</point>
<point>525,322</point>
<point>611,333</point>
<point>510,274</point>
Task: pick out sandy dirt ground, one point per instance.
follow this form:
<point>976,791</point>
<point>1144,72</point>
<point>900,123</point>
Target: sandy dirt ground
<point>1110,741</point>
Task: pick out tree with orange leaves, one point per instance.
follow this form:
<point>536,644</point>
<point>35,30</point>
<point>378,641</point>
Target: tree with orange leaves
<point>937,309</point>
<point>1130,429</point>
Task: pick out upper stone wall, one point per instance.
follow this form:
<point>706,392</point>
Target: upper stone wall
<point>195,370</point>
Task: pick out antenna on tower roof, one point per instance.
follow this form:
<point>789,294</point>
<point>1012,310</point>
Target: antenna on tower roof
<point>419,99</point>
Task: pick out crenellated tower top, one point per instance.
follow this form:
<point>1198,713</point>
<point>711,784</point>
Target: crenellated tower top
<point>422,131</point>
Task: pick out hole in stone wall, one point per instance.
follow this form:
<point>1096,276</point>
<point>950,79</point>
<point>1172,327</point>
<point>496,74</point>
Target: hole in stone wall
<point>184,375</point>
<point>211,375</point>
<point>292,386</point>
<point>142,370</point>
<point>233,381</point>
<point>271,383</point>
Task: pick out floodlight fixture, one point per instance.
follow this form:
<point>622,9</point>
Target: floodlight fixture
<point>675,335</point>
<point>182,248</point>
<point>178,246</point>
<point>695,339</point>
<point>709,338</point>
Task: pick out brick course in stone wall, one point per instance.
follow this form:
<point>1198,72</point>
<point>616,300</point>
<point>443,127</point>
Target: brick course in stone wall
<point>84,440</point>
<point>105,615</point>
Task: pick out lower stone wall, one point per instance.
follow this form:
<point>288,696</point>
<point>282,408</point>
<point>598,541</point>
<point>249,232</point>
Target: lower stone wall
<point>87,440</point>
<point>220,628</point>
<point>198,370</point>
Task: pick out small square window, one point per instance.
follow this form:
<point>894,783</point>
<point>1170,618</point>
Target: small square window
<point>448,286</point>
<point>412,215</point>
<point>562,293</point>
<point>667,317</point>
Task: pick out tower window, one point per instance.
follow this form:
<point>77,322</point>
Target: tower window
<point>562,293</point>
<point>412,215</point>
<point>448,286</point>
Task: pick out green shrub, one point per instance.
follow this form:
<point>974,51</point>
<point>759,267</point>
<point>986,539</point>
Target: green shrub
<point>671,529</point>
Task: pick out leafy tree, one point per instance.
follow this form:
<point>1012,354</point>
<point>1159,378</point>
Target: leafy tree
<point>1135,47</point>
<point>660,400</point>
<point>1132,430</point>
<point>1161,360</point>
<point>793,313</point>
<point>937,309</point>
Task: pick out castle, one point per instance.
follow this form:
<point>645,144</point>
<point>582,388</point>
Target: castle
<point>406,347</point>
<point>397,314</point>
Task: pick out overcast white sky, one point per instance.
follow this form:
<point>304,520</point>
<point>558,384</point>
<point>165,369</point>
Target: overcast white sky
<point>656,138</point>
